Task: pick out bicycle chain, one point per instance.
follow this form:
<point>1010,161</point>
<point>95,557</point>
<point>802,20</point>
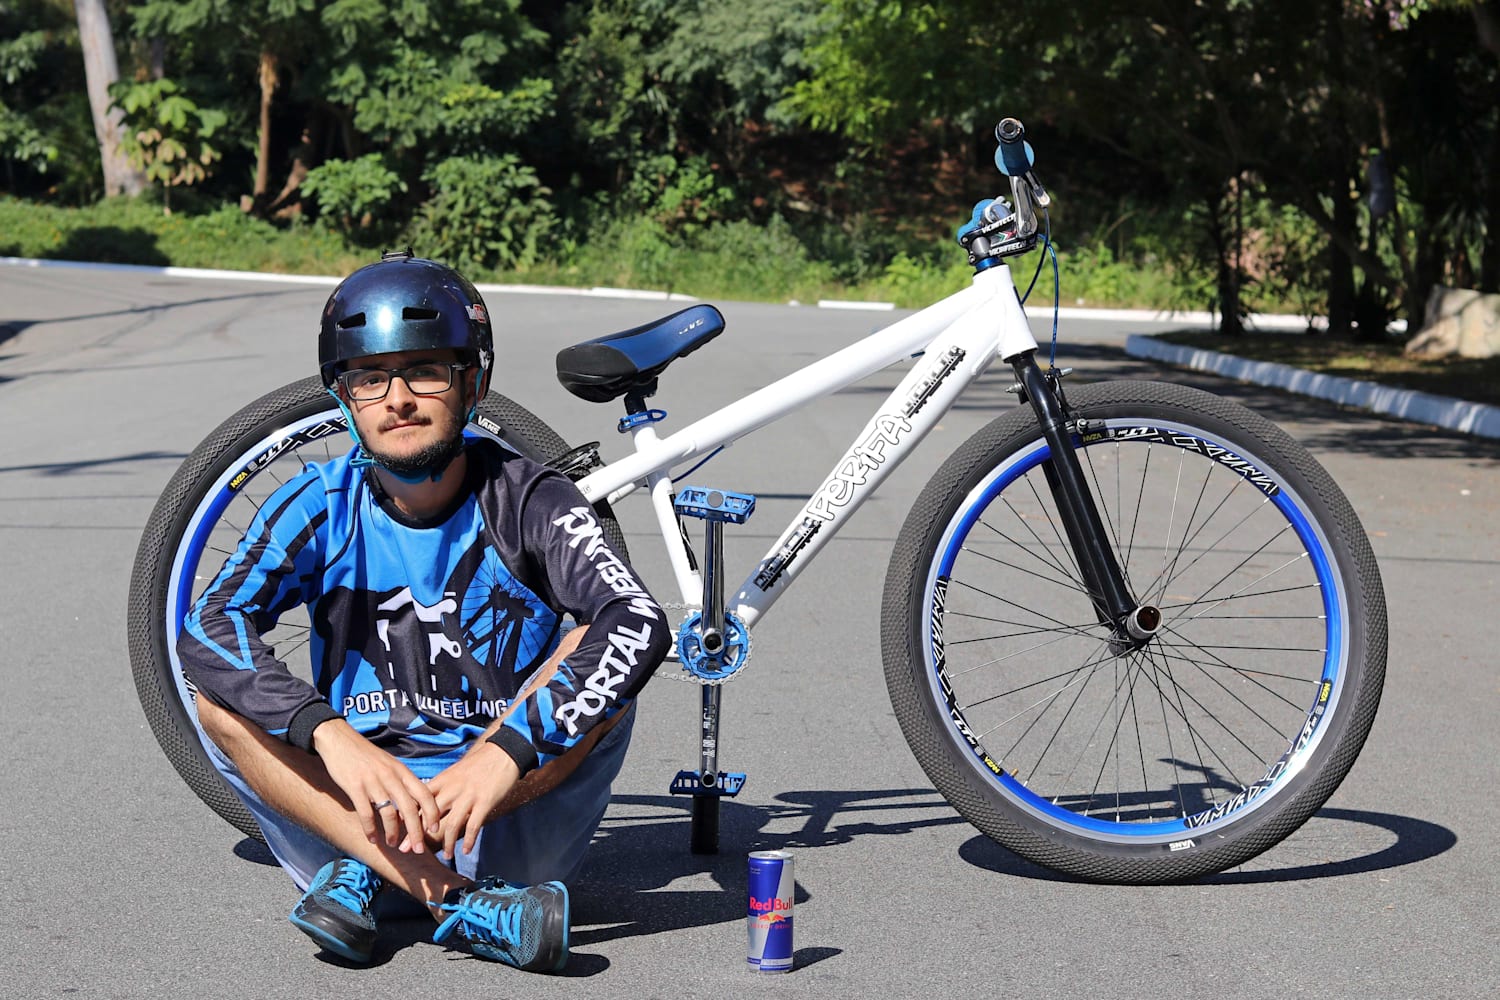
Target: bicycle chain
<point>681,673</point>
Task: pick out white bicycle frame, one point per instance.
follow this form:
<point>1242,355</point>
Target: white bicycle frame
<point>957,338</point>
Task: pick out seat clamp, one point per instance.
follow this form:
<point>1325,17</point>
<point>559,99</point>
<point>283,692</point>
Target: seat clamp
<point>633,420</point>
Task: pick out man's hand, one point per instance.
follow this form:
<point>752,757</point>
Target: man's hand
<point>371,777</point>
<point>469,792</point>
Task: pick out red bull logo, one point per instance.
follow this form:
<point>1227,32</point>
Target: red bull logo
<point>771,908</point>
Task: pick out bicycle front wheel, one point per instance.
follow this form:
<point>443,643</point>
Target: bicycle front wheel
<point>198,523</point>
<point>1201,748</point>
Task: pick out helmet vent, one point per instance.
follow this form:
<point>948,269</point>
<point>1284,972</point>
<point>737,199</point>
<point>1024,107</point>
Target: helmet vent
<point>350,322</point>
<point>417,312</point>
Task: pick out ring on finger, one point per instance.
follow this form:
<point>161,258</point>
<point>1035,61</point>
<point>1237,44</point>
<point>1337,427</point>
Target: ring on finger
<point>381,805</point>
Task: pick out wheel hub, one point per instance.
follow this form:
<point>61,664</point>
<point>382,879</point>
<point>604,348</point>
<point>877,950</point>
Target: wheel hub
<point>1138,628</point>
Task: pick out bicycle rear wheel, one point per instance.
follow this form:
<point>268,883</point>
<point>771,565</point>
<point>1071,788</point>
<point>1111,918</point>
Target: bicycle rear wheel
<point>198,522</point>
<point>1195,752</point>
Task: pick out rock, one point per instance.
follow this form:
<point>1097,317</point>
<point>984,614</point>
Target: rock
<point>1458,322</point>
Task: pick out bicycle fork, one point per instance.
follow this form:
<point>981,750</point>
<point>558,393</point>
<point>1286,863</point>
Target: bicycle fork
<point>1131,623</point>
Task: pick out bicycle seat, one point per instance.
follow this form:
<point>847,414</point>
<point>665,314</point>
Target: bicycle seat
<point>609,367</point>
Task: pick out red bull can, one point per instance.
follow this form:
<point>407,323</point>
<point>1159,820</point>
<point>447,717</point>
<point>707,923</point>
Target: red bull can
<point>769,917</point>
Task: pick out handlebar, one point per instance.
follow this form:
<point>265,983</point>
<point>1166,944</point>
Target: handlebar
<point>1014,158</point>
<point>995,229</point>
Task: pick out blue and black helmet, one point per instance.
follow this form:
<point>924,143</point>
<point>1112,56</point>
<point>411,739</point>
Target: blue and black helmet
<point>404,303</point>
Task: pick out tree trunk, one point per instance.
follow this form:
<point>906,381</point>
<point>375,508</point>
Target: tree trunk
<point>308,154</point>
<point>102,69</point>
<point>1227,271</point>
<point>268,81</point>
<point>1341,269</point>
<point>1412,303</point>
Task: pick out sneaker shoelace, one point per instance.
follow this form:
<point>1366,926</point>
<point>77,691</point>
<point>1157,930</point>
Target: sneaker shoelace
<point>353,886</point>
<point>492,917</point>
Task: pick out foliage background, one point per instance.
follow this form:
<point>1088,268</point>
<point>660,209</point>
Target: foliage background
<point>1317,156</point>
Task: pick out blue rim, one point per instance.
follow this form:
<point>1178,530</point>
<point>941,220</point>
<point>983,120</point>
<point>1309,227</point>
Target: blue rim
<point>1329,586</point>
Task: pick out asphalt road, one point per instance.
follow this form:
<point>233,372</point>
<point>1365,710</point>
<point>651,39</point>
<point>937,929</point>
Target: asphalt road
<point>119,883</point>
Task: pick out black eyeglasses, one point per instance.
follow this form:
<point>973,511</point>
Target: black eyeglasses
<point>366,385</point>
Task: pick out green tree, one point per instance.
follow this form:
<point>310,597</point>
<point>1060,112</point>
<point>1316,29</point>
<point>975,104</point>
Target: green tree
<point>23,145</point>
<point>676,104</point>
<point>253,44</point>
<point>414,81</point>
<point>1206,109</point>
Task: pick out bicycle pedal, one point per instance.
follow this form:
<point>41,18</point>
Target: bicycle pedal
<point>691,783</point>
<point>714,505</point>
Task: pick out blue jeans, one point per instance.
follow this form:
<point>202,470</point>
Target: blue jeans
<point>543,840</point>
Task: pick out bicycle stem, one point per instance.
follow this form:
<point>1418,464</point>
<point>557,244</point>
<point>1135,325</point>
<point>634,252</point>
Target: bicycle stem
<point>1106,585</point>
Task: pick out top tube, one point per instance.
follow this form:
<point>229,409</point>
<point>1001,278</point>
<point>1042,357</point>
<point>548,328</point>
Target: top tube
<point>991,289</point>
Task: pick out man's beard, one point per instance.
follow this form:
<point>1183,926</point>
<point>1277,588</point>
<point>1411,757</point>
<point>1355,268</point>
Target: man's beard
<point>429,460</point>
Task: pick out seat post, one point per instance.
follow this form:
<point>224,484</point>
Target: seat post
<point>635,401</point>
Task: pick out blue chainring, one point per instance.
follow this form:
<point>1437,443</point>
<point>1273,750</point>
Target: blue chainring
<point>698,663</point>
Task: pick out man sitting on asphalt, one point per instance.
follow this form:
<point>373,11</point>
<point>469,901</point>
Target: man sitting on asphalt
<point>447,706</point>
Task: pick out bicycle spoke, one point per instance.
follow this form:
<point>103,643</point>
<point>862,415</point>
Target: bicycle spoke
<point>1041,552</point>
<point>1070,583</point>
<point>1013,604</point>
<point>1062,544</point>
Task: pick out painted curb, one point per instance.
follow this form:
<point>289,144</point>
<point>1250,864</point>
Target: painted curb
<point>1257,321</point>
<point>855,304</point>
<point>1477,419</point>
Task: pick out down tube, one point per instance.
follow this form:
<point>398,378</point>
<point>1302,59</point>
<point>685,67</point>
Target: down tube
<point>954,359</point>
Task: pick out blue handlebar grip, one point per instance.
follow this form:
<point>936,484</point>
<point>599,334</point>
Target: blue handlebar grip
<point>1014,158</point>
<point>976,220</point>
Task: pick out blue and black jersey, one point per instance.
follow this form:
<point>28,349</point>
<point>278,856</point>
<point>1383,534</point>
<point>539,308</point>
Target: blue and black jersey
<point>423,632</point>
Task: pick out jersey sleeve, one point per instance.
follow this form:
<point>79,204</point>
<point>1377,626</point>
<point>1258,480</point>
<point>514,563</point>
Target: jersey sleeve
<point>627,638</point>
<point>273,569</point>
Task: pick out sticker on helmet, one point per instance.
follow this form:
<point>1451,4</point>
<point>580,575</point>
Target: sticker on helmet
<point>476,313</point>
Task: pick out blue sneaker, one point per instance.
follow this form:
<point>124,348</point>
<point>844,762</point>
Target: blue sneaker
<point>336,910</point>
<point>526,928</point>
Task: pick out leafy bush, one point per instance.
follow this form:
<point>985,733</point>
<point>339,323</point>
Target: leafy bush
<point>751,260</point>
<point>484,213</point>
<point>681,194</point>
<point>23,143</point>
<point>913,282</point>
<point>353,194</point>
<point>166,133</point>
<point>731,260</point>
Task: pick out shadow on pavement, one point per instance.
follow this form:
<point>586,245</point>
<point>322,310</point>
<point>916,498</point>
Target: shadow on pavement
<point>95,464</point>
<point>642,847</point>
<point>1415,840</point>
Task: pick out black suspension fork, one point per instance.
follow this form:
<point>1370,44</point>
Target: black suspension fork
<point>1130,623</point>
